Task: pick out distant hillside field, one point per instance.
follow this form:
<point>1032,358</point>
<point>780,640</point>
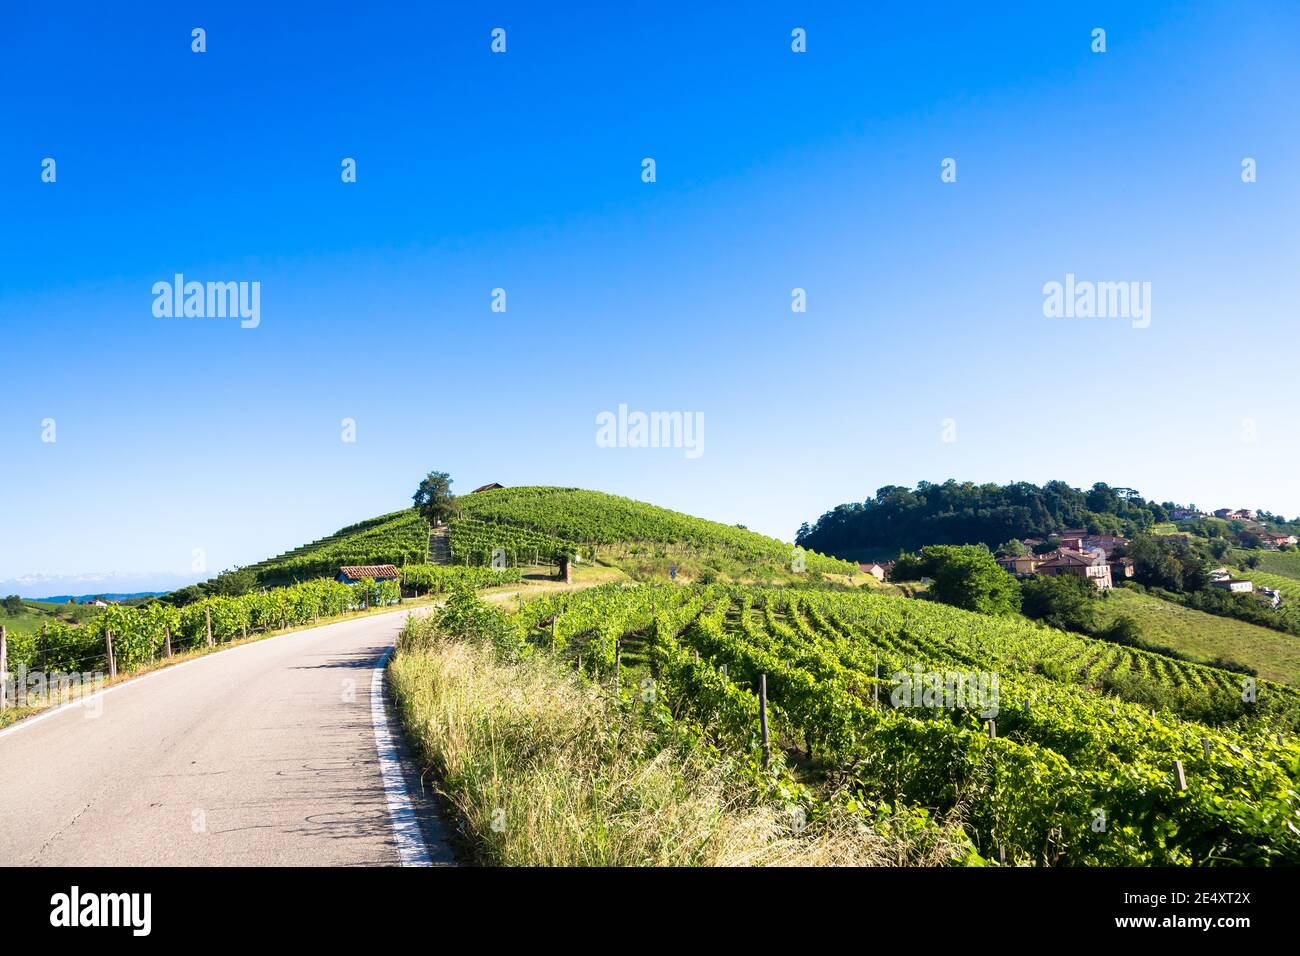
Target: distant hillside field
<point>36,613</point>
<point>1204,637</point>
<point>398,538</point>
<point>1284,563</point>
<point>536,523</point>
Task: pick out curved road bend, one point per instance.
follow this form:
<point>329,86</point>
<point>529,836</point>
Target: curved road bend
<point>264,754</point>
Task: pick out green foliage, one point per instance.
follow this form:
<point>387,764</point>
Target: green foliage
<point>233,583</point>
<point>1065,601</point>
<point>433,498</point>
<point>398,538</point>
<point>1062,749</point>
<point>967,576</point>
<point>591,520</point>
<point>967,513</point>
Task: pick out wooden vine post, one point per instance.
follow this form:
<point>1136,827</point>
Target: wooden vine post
<point>207,623</point>
<point>108,653</point>
<point>45,645</point>
<point>618,664</point>
<point>1180,775</point>
<point>167,641</point>
<point>4,667</point>
<point>762,718</point>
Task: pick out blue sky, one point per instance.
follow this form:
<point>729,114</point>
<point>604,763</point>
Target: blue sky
<point>522,171</point>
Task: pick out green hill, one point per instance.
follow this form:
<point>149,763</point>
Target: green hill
<point>1206,637</point>
<point>30,615</point>
<point>533,524</point>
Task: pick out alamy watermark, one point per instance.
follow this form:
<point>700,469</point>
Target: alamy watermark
<point>951,690</point>
<point>212,300</point>
<point>1074,299</point>
<point>23,687</point>
<point>626,429</point>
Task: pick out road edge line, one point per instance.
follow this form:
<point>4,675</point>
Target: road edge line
<point>411,846</point>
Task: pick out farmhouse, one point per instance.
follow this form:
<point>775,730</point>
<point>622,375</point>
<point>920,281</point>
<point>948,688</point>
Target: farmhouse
<point>1273,539</point>
<point>490,487</point>
<point>878,571</point>
<point>1021,564</point>
<point>1104,542</point>
<point>1184,514</point>
<point>1120,568</point>
<point>1090,565</point>
<point>351,574</point>
<point>1235,585</point>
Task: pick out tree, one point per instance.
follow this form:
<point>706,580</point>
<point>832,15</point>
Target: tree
<point>1066,601</point>
<point>233,583</point>
<point>433,499</point>
<point>967,576</point>
<point>1015,548</point>
<point>13,604</point>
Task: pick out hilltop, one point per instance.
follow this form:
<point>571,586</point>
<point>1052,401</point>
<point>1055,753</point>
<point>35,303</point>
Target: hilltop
<point>535,524</point>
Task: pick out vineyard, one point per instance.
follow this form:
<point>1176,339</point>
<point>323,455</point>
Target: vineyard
<point>398,538</point>
<point>602,523</point>
<point>1090,755</point>
<point>473,542</point>
<point>142,635</point>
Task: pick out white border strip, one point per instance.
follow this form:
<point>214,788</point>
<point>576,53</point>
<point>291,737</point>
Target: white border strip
<point>401,811</point>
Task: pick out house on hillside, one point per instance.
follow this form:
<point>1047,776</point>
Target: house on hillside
<point>1274,539</point>
<point>1237,514</point>
<point>1073,540</point>
<point>491,487</point>
<point>877,570</point>
<point>351,574</point>
<point>1120,569</point>
<point>1020,564</point>
<point>1090,565</point>
<point>1105,542</point>
<point>1184,514</point>
<point>1235,585</point>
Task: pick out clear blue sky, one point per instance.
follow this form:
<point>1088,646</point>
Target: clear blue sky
<point>522,171</point>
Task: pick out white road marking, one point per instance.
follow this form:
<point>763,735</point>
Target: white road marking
<point>401,811</point>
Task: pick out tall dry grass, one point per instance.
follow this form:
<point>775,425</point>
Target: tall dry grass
<point>543,771</point>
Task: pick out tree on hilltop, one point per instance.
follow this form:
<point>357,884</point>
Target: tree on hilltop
<point>433,499</point>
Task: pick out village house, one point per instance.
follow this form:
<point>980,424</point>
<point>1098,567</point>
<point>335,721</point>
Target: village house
<point>1184,514</point>
<point>1072,539</point>
<point>1021,564</point>
<point>1274,539</point>
<point>1239,514</point>
<point>1104,542</point>
<point>351,574</point>
<point>1120,568</point>
<point>1090,565</point>
<point>878,571</point>
<point>1235,585</point>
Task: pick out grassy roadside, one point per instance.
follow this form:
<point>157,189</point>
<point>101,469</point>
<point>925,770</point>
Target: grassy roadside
<point>541,767</point>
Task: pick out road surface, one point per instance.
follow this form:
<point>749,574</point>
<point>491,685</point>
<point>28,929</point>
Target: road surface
<point>272,753</point>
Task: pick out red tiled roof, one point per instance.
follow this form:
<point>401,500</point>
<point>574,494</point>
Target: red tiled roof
<point>376,571</point>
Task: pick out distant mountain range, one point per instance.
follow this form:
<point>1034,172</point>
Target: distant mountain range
<point>119,584</point>
<point>82,598</point>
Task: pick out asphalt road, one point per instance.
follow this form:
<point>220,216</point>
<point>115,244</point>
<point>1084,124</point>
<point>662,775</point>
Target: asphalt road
<point>265,754</point>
